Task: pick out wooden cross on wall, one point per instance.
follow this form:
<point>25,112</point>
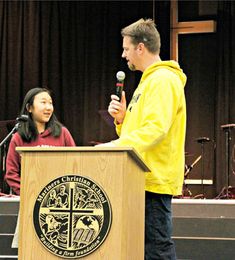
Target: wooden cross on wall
<point>186,28</point>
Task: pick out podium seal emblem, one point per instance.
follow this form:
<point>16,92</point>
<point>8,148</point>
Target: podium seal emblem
<point>72,216</point>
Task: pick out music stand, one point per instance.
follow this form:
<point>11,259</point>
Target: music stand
<point>107,118</point>
<point>227,129</point>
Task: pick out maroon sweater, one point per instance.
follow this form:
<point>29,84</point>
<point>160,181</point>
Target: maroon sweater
<point>12,176</point>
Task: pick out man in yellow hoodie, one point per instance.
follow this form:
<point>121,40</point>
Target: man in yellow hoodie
<point>154,123</point>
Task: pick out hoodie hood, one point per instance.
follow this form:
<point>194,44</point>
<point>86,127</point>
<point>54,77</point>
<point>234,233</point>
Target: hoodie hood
<point>169,65</point>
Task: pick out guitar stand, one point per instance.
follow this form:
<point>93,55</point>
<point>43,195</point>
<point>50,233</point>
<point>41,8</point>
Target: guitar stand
<point>186,193</point>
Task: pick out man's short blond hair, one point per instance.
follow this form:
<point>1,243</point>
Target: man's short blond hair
<point>144,31</point>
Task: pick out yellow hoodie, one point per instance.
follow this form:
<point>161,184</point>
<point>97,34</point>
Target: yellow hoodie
<point>155,125</point>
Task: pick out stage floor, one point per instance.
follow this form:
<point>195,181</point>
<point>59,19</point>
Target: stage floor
<point>202,228</point>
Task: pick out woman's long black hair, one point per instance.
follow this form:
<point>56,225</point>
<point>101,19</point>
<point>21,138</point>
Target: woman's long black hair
<point>28,130</point>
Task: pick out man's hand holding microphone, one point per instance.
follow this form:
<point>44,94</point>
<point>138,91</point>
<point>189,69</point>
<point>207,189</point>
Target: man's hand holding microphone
<point>117,105</point>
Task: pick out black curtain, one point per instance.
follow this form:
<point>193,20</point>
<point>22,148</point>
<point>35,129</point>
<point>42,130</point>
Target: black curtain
<point>208,60</point>
<point>225,94</point>
<point>198,59</point>
<point>73,48</point>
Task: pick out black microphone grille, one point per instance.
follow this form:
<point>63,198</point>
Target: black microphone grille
<point>120,75</point>
<point>23,118</point>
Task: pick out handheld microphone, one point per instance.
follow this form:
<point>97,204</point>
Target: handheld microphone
<point>22,118</point>
<point>120,83</point>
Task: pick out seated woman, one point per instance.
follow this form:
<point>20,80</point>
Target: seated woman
<point>41,129</point>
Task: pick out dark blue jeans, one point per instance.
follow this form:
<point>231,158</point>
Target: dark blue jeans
<point>158,227</point>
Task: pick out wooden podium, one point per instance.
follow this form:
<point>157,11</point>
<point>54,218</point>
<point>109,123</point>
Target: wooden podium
<point>119,172</point>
